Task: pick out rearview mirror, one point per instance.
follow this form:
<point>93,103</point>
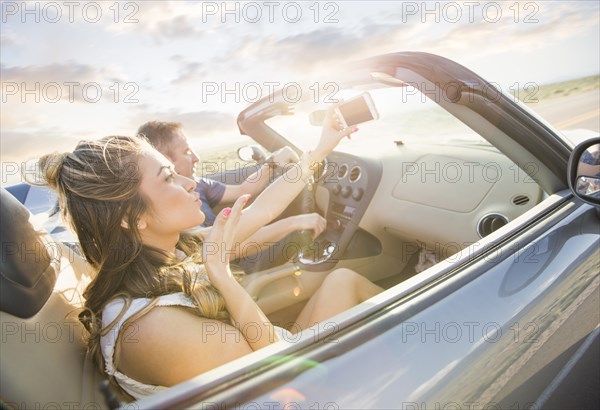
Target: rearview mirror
<point>250,153</point>
<point>584,171</point>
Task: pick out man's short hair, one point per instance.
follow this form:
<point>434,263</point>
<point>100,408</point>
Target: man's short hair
<point>159,134</point>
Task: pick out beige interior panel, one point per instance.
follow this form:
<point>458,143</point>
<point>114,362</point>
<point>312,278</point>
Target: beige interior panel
<point>44,354</point>
<point>281,287</point>
<point>438,181</point>
<point>418,202</point>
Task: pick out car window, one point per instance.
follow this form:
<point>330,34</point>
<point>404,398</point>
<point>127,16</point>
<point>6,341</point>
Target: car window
<point>405,115</point>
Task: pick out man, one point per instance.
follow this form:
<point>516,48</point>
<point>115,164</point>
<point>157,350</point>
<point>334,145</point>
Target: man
<point>169,139</point>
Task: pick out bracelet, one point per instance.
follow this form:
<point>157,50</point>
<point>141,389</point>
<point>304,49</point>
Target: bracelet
<point>307,167</point>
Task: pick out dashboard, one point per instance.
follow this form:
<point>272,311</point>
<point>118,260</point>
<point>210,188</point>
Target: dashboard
<point>442,197</point>
<point>344,192</point>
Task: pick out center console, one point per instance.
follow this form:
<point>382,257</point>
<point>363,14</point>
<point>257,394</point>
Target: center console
<point>351,182</point>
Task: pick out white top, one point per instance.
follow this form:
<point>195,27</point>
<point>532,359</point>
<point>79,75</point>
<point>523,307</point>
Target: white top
<point>108,341</point>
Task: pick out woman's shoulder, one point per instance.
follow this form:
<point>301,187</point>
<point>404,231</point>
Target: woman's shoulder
<point>180,340</point>
<point>169,329</point>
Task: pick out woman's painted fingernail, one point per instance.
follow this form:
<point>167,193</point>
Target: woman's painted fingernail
<point>226,212</point>
<point>354,129</point>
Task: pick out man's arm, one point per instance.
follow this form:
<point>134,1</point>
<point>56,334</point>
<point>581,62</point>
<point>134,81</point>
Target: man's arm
<point>256,182</point>
<point>253,185</point>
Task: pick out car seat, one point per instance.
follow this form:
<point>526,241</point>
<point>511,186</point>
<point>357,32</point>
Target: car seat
<point>43,364</point>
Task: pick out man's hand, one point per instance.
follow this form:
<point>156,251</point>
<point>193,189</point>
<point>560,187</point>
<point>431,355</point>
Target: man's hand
<point>256,182</point>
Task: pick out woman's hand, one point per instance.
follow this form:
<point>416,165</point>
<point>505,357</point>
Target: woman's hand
<point>244,313</point>
<point>219,244</point>
<point>310,222</point>
<point>332,133</point>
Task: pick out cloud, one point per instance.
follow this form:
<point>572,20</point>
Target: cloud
<point>562,22</point>
<point>197,124</point>
<point>189,72</point>
<point>514,32</point>
<point>163,21</point>
<point>36,139</point>
<point>8,39</point>
<point>521,26</point>
<point>299,53</point>
<point>60,82</point>
<point>21,149</point>
<point>191,51</point>
<point>19,146</point>
<point>54,72</point>
<point>323,44</point>
<point>178,27</point>
<point>318,50</point>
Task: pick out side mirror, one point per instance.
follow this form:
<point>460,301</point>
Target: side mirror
<point>584,171</point>
<point>252,153</point>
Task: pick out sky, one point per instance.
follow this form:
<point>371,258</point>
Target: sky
<point>73,70</point>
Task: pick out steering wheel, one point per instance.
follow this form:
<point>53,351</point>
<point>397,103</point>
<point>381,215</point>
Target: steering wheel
<point>316,251</point>
<point>319,250</point>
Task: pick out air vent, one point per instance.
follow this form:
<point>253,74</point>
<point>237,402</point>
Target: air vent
<point>342,171</point>
<point>489,223</point>
<point>520,200</point>
<point>355,174</point>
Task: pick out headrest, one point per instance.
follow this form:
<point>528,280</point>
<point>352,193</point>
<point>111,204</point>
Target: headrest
<point>29,265</point>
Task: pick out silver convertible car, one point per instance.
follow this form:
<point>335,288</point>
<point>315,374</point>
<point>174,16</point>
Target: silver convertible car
<point>480,220</point>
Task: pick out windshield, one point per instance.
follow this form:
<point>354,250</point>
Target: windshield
<point>406,115</point>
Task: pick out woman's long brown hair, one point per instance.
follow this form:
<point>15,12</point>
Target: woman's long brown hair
<point>98,188</point>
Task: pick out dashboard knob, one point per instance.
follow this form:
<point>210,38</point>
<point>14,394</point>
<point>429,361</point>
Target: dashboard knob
<point>358,194</point>
<point>346,191</point>
<point>337,225</point>
<point>336,189</point>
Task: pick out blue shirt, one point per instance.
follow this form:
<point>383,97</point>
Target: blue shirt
<point>211,192</point>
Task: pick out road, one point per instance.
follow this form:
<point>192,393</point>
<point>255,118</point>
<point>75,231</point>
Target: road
<point>579,111</point>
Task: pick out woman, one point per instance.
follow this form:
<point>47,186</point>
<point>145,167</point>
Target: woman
<point>165,306</point>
